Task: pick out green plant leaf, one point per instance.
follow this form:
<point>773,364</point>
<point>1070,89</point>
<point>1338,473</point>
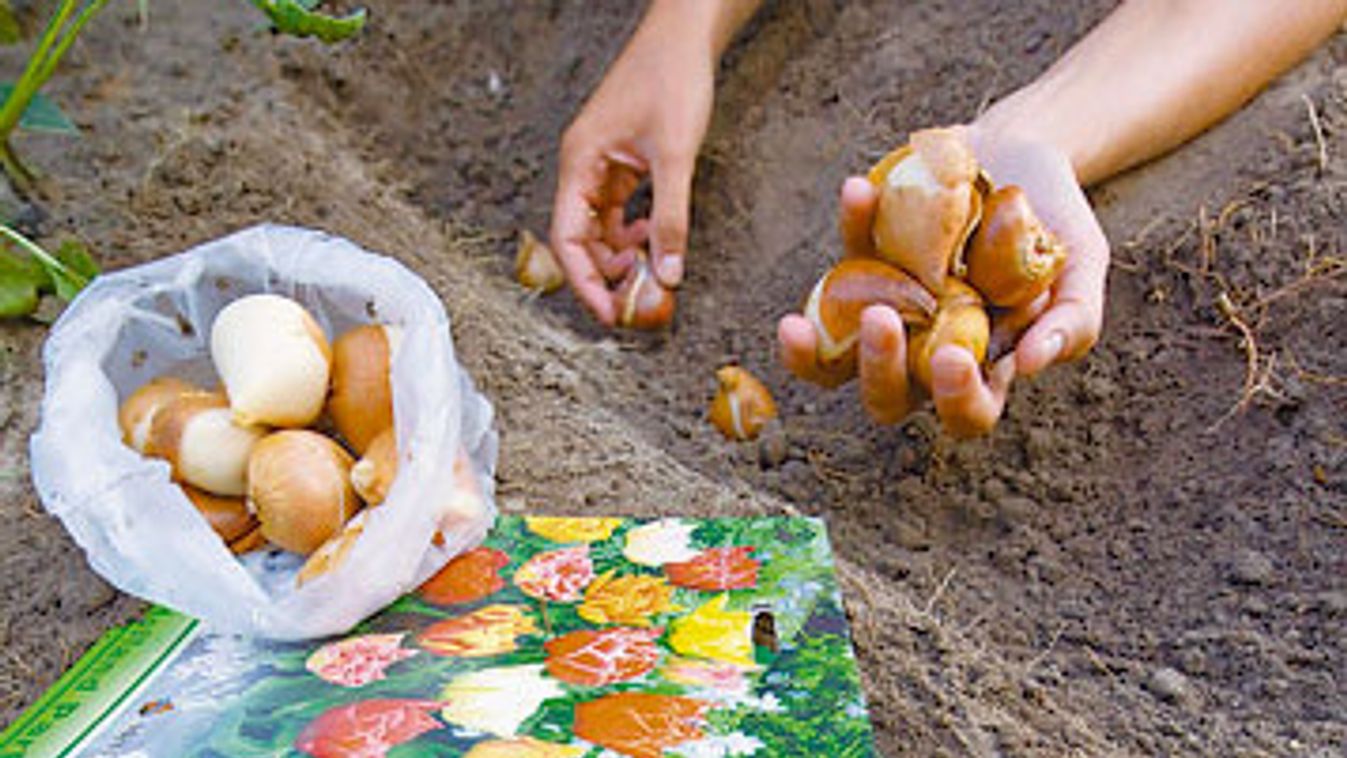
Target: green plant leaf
<point>80,268</point>
<point>41,115</point>
<point>10,32</point>
<point>22,281</point>
<point>297,18</point>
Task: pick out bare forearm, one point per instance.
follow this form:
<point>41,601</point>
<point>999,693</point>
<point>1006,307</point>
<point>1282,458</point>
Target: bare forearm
<point>1157,72</point>
<point>710,22</point>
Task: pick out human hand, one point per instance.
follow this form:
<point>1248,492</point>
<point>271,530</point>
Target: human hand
<point>1061,325</point>
<point>647,117</point>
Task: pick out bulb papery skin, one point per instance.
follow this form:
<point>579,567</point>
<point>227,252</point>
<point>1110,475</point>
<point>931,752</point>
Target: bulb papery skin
<point>361,403</point>
<point>273,359</point>
<point>228,516</point>
<point>373,474</point>
<point>299,486</point>
<point>136,415</point>
<point>196,433</point>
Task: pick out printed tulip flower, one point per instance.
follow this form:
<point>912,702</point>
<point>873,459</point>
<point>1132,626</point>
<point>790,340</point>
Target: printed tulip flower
<point>660,542</point>
<point>367,729</point>
<point>630,600</point>
<point>726,678</point>
<point>467,578</point>
<point>496,701</point>
<point>716,634</point>
<point>357,661</point>
<point>557,575</point>
<point>716,569</point>
<point>596,658</point>
<point>487,631</point>
<point>572,529</point>
<point>638,724</point>
<point>523,747</point>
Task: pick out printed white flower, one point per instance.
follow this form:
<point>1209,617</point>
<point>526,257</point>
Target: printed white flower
<point>720,746</point>
<point>498,700</point>
<point>659,542</point>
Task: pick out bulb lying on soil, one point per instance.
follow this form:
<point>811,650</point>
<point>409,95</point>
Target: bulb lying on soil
<point>196,433</point>
<point>299,486</point>
<point>742,404</point>
<point>361,403</point>
<point>536,266</point>
<point>136,415</point>
<point>273,358</point>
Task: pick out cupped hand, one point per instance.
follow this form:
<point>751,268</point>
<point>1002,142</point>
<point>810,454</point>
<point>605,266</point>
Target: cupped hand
<point>647,118</point>
<point>1062,325</point>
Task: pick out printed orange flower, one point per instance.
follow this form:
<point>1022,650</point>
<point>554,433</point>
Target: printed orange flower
<point>595,658</point>
<point>523,747</point>
<point>572,529</point>
<point>468,577</point>
<point>556,575</point>
<point>366,729</point>
<point>490,630</point>
<point>715,569</point>
<point>626,599</point>
<point>640,724</point>
<point>717,675</point>
<point>359,660</point>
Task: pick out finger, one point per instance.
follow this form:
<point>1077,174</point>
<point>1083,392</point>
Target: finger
<point>613,264</point>
<point>574,228</point>
<point>883,365</point>
<point>856,216</point>
<point>799,354</point>
<point>1072,323</point>
<point>968,406</point>
<point>1008,326</point>
<point>672,185</point>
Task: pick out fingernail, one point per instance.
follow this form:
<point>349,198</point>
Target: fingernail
<point>1052,346</point>
<point>670,270</point>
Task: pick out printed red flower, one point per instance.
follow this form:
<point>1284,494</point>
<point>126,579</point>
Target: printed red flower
<point>595,658</point>
<point>359,660</point>
<point>557,575</point>
<point>487,631</point>
<point>640,724</point>
<point>366,729</point>
<point>468,577</point>
<point>715,569</point>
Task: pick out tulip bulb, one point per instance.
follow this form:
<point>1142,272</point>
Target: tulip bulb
<point>299,485</point>
<point>228,516</point>
<point>273,358</point>
<point>643,303</point>
<point>960,320</point>
<point>333,552</point>
<point>535,265</point>
<point>137,414</point>
<point>1013,258</point>
<point>742,404</point>
<point>373,474</point>
<point>836,303</point>
<point>248,542</point>
<point>928,204</point>
<point>197,434</point>
<point>361,403</point>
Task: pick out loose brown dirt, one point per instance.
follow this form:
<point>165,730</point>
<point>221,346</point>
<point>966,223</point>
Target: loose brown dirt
<point>1146,558</point>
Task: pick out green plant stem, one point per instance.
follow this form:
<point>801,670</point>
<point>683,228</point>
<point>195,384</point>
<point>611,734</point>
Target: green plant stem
<point>28,84</point>
<point>68,39</point>
<point>32,248</point>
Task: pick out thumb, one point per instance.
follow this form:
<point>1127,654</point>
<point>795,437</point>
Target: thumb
<point>672,185</point>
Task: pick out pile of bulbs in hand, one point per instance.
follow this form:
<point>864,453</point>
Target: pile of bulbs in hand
<point>251,458</point>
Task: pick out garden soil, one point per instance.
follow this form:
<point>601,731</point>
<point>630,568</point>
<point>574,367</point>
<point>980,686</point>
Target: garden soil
<point>1147,557</point>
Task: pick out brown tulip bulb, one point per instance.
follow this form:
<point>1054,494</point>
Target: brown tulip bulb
<point>299,485</point>
<point>137,414</point>
<point>536,266</point>
<point>960,320</point>
<point>928,204</point>
<point>643,303</point>
<point>836,303</point>
<point>742,404</point>
<point>333,552</point>
<point>361,403</point>
<point>1013,258</point>
<point>197,434</point>
<point>228,516</point>
<point>248,542</point>
<point>373,474</point>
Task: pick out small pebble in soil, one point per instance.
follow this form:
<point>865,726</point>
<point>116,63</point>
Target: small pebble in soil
<point>1169,685</point>
<point>1250,567</point>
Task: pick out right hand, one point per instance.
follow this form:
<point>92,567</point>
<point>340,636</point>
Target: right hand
<point>647,117</point>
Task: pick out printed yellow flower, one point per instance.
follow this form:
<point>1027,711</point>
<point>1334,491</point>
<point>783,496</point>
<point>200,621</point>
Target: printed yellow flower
<point>630,600</point>
<point>496,701</point>
<point>524,747</point>
<point>566,529</point>
<point>714,633</point>
<point>659,542</point>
